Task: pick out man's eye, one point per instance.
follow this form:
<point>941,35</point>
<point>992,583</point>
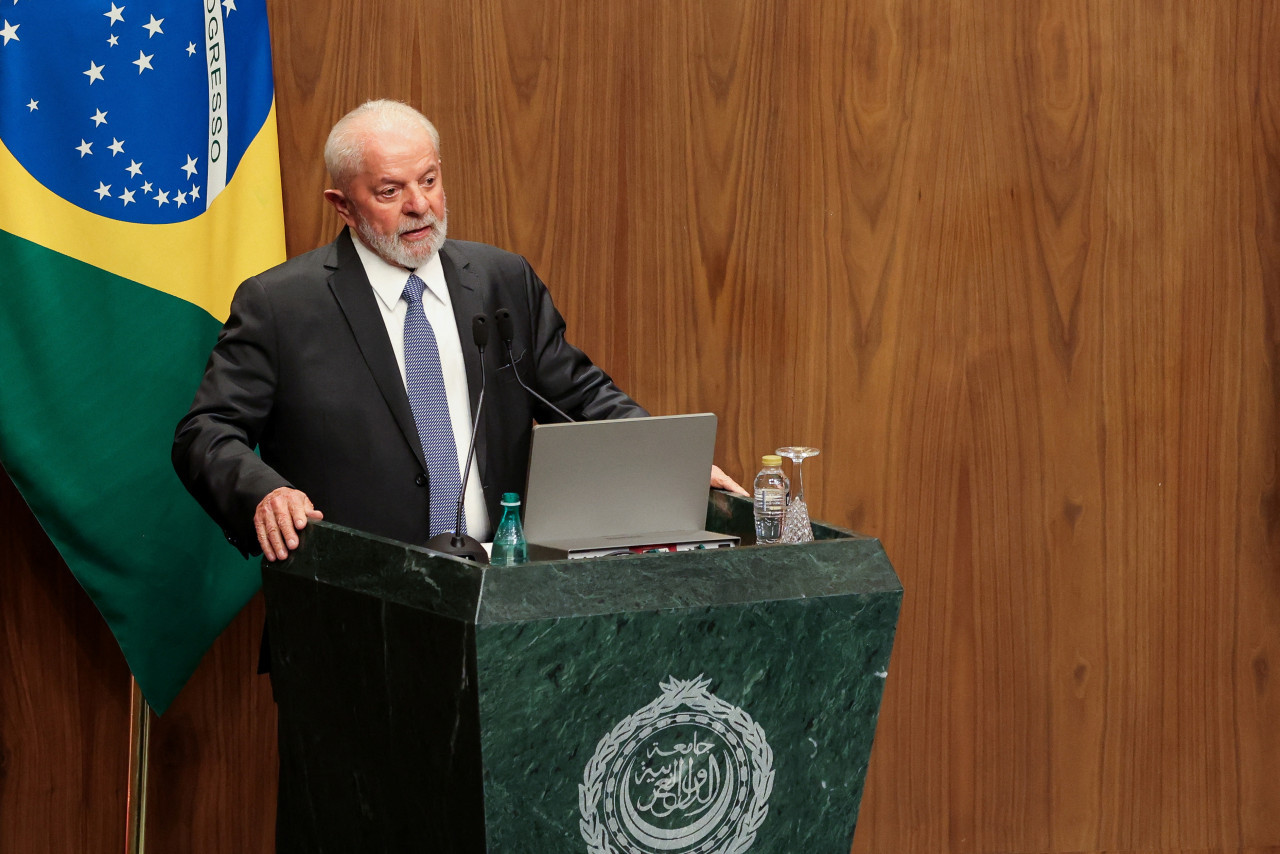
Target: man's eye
<point>430,182</point>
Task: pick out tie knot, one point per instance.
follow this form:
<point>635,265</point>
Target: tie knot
<point>413,289</point>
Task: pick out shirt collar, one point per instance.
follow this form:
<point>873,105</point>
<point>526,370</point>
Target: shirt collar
<point>388,279</point>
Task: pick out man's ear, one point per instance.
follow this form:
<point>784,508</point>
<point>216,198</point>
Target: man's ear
<point>340,204</point>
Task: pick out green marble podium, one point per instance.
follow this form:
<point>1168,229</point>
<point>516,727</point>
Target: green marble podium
<point>697,702</point>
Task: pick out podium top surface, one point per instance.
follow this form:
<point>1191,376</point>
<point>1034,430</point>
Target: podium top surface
<point>839,563</point>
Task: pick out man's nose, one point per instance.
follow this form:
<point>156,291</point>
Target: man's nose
<point>415,200</point>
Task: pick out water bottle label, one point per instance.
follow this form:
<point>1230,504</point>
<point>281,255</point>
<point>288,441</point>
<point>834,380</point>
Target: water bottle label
<point>771,505</point>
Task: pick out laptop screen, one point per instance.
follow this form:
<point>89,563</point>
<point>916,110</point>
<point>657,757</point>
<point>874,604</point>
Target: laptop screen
<point>617,478</point>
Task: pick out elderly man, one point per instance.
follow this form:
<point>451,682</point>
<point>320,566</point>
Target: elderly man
<point>351,367</point>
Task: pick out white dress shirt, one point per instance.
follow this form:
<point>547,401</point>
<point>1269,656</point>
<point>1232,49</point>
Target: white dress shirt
<point>388,283</point>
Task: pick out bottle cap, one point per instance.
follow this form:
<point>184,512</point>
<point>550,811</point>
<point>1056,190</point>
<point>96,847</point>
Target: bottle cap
<point>772,460</point>
<point>510,499</point>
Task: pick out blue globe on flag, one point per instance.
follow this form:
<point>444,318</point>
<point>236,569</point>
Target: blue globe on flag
<point>138,112</point>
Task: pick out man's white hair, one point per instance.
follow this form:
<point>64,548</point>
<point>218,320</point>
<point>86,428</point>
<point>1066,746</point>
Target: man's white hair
<point>344,149</point>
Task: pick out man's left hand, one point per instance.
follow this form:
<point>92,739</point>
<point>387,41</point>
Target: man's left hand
<point>720,480</point>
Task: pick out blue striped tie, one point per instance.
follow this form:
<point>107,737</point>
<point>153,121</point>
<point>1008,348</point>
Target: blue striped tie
<point>424,381</point>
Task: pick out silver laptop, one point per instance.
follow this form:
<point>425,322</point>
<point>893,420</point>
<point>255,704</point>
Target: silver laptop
<point>615,487</point>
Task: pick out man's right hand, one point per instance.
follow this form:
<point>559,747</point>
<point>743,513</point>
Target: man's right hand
<point>279,517</point>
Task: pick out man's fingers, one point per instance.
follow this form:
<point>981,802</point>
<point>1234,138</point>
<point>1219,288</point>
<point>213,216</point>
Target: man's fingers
<point>720,480</point>
<point>278,518</point>
<point>269,534</point>
<point>286,519</point>
<point>264,542</point>
<point>310,512</point>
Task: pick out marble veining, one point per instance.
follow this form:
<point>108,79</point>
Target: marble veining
<point>432,704</point>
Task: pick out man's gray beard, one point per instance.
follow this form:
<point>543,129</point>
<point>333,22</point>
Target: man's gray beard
<point>392,250</point>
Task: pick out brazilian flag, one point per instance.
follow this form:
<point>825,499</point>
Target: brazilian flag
<point>139,185</point>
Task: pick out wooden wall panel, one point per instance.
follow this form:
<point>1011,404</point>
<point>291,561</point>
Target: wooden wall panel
<point>1013,265</point>
<point>64,722</point>
<point>212,785</point>
<point>64,700</point>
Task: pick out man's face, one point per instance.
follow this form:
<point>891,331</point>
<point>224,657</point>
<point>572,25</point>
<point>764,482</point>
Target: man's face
<point>396,202</point>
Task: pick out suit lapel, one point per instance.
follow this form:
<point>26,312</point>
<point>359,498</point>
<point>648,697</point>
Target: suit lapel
<point>466,294</point>
<point>351,288</point>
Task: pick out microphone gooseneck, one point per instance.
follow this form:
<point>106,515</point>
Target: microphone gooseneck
<point>454,542</point>
<point>506,331</point>
<point>480,335</point>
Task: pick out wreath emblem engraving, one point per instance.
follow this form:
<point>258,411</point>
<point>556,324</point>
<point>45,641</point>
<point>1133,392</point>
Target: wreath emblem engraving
<point>686,774</point>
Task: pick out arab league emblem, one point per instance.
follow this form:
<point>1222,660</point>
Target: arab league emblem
<point>687,774</point>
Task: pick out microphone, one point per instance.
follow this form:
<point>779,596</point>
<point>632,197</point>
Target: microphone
<point>453,542</point>
<point>507,332</point>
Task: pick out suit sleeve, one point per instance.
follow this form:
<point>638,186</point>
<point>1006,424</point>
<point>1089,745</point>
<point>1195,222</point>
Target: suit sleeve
<point>213,447</point>
<point>563,373</point>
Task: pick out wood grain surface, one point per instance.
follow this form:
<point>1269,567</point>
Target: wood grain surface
<point>212,784</point>
<point>64,701</point>
<point>64,722</point>
<point>1014,266</point>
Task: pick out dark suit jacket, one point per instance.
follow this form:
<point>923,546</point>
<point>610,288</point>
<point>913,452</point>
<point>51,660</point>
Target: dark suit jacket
<point>303,369</point>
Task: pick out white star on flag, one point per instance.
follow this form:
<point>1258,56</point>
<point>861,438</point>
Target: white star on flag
<point>94,72</point>
<point>134,168</point>
<point>180,199</point>
<point>190,168</point>
<point>113,41</point>
<point>154,26</point>
<point>162,197</point>
<point>116,14</point>
<point>84,148</point>
<point>127,195</point>
<point>191,48</point>
<point>33,105</point>
<point>116,146</point>
<point>143,62</point>
<point>195,192</point>
<point>146,188</point>
<point>10,32</point>
<point>103,190</point>
<point>99,119</point>
<point>229,5</point>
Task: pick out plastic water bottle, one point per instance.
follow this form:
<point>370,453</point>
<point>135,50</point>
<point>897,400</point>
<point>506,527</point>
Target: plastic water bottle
<point>772,487</point>
<point>509,546</point>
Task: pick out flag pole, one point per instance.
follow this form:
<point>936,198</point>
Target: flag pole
<point>136,798</point>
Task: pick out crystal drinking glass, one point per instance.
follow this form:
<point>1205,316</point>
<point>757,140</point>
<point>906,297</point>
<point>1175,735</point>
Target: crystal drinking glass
<point>797,528</point>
